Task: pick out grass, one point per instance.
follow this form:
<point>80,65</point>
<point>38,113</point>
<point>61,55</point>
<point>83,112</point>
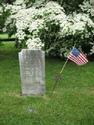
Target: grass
<point>71,104</point>
<point>5,36</point>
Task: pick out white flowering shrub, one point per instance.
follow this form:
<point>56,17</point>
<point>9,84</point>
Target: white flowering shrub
<point>48,27</point>
<point>86,7</point>
<point>1,11</point>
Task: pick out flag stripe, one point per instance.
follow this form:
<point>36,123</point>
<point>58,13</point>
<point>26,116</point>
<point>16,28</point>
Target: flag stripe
<point>76,60</point>
<point>79,59</point>
<point>73,58</point>
<point>84,58</point>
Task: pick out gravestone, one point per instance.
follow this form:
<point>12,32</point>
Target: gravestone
<point>92,9</point>
<point>32,71</point>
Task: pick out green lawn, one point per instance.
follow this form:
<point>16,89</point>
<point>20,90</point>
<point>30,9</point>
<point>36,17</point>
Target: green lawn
<point>71,104</point>
<point>5,36</point>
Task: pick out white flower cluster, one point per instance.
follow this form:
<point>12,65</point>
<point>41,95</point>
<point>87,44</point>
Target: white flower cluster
<point>34,43</point>
<point>80,22</point>
<point>86,6</point>
<point>92,49</point>
<point>31,21</point>
<point>1,10</point>
<point>76,23</point>
<point>36,25</point>
<point>13,8</point>
<point>19,2</point>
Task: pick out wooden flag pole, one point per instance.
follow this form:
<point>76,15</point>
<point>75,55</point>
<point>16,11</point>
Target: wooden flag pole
<point>58,77</point>
<point>66,62</point>
<point>64,66</point>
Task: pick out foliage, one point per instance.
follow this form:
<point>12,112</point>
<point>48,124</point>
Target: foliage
<point>38,23</point>
<point>49,24</point>
<point>86,7</point>
<point>3,14</point>
<point>69,6</point>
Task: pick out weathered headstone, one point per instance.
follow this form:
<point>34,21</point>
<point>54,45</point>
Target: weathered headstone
<point>92,9</point>
<point>32,71</point>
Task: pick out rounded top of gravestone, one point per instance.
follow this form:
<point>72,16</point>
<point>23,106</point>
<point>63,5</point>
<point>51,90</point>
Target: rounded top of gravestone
<point>31,50</point>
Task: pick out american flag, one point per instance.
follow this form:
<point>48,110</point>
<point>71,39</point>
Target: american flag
<point>77,57</point>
